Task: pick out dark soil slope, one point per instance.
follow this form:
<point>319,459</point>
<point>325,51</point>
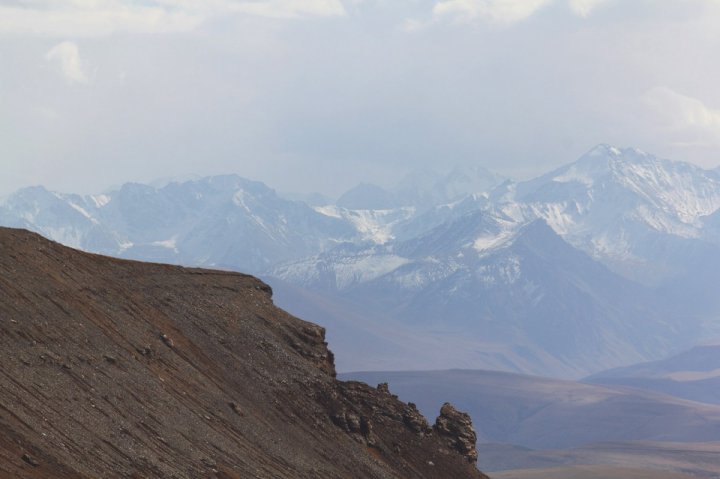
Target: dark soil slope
<point>113,368</point>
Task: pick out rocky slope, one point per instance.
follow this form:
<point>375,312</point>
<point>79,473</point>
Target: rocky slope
<point>114,368</point>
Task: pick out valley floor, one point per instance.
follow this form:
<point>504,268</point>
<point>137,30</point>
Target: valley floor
<point>619,460</point>
<point>588,472</point>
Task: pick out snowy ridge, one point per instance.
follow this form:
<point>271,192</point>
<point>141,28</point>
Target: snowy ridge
<point>611,198</point>
<point>224,221</point>
<point>373,225</point>
<point>342,271</point>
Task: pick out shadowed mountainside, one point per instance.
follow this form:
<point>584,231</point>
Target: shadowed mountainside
<point>114,368</point>
<point>692,374</point>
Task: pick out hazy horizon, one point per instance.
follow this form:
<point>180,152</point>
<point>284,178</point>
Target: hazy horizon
<point>321,95</point>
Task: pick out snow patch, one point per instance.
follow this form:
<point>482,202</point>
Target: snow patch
<point>100,200</point>
<point>507,271</point>
<point>238,199</point>
<point>83,212</point>
<point>373,225</point>
<point>485,243</point>
<point>429,271</point>
<point>170,244</point>
<point>575,174</point>
<point>330,210</point>
<point>365,268</point>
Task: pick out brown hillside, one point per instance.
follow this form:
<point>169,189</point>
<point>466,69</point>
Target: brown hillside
<point>114,368</point>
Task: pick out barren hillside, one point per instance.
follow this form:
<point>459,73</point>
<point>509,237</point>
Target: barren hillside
<point>114,368</point>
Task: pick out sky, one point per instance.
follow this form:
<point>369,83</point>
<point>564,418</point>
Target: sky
<point>318,95</point>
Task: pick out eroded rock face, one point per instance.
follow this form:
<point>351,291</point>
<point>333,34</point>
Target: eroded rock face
<point>119,369</point>
<point>456,428</point>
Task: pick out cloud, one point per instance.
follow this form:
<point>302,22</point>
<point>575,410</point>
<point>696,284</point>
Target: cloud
<point>103,17</point>
<point>290,8</point>
<point>92,20</point>
<point>263,8</point>
<point>505,12</point>
<point>352,94</point>
<point>683,121</point>
<point>494,11</point>
<point>67,56</point>
<point>584,8</point>
<point>680,112</point>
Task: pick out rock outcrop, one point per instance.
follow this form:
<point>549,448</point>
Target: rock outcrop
<point>457,430</point>
<point>120,369</point>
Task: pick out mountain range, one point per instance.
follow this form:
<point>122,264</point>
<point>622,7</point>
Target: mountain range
<point>605,262</point>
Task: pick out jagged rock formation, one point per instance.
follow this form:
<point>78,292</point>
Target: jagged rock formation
<point>113,368</point>
<point>457,428</point>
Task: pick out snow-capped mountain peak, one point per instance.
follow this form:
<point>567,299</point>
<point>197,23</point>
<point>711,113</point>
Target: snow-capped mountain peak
<point>676,187</point>
<point>612,198</point>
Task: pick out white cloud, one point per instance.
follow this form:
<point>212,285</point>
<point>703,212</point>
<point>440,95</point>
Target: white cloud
<point>495,11</point>
<point>681,112</point>
<point>505,12</point>
<point>584,8</point>
<point>290,8</point>
<point>92,20</point>
<point>102,17</point>
<point>264,8</point>
<point>682,122</point>
<point>67,57</point>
